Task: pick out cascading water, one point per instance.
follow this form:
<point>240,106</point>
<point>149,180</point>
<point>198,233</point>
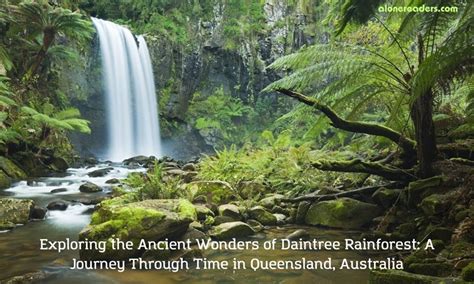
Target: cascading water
<point>132,112</point>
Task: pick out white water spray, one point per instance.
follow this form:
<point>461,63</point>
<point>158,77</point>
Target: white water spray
<point>132,111</point>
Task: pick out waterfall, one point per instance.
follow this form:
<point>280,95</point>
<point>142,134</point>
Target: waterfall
<point>132,112</point>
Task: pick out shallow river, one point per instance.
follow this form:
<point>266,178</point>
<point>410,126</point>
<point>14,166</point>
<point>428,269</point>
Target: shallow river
<point>20,254</point>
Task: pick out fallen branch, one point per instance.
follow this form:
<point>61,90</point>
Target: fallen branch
<point>321,197</point>
<point>359,166</point>
<point>405,143</point>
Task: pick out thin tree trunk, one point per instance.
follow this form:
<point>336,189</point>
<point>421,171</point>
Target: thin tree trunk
<point>48,38</point>
<point>422,116</point>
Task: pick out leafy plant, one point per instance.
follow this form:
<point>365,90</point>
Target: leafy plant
<point>154,185</point>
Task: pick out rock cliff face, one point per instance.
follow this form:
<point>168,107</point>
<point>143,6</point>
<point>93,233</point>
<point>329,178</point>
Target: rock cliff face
<point>181,71</point>
<point>208,63</point>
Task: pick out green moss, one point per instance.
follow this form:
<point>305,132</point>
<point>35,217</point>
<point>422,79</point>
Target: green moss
<point>468,272</point>
<point>11,169</point>
<point>5,181</point>
<point>186,209</point>
<point>397,276</point>
<point>342,213</point>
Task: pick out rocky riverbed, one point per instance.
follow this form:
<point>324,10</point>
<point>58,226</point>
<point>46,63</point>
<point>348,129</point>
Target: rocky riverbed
<point>94,204</point>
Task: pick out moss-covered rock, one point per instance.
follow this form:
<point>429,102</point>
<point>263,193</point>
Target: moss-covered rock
<point>11,169</point>
<point>231,230</point>
<point>5,180</point>
<point>385,197</point>
<point>417,190</point>
<point>260,214</point>
<point>149,220</point>
<point>89,187</point>
<point>271,200</point>
<point>202,212</point>
<point>433,204</point>
<point>230,210</point>
<point>397,277</point>
<point>467,273</point>
<point>439,269</point>
<point>15,211</point>
<point>344,213</point>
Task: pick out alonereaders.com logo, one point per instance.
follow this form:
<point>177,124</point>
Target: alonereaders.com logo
<point>417,9</point>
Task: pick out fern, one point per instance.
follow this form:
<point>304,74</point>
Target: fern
<point>63,120</point>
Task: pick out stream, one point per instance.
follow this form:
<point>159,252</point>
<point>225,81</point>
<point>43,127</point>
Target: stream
<point>21,254</point>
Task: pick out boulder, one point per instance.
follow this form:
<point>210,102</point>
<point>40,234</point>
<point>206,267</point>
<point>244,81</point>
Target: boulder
<point>202,212</point>
<point>279,210</point>
<point>58,205</point>
<point>345,213</point>
<point>193,234</point>
<point>58,190</point>
<point>91,161</point>
<point>231,230</point>
<point>417,190</point>
<point>38,213</point>
<point>439,269</point>
<point>15,211</point>
<point>189,167</point>
<point>89,187</point>
<point>298,234</point>
<point>280,218</point>
<point>385,197</point>
<point>263,216</point>
<point>142,160</point>
<point>112,181</point>
<point>433,204</point>
<point>100,172</point>
<point>58,164</point>
<point>150,220</point>
<point>222,219</point>
<point>11,169</point>
<point>272,200</point>
<point>438,233</point>
<point>230,210</point>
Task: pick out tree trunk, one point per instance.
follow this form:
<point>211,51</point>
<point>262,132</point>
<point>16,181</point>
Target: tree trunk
<point>422,116</point>
<point>48,38</point>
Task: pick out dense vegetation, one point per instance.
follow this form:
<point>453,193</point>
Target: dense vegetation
<point>35,113</point>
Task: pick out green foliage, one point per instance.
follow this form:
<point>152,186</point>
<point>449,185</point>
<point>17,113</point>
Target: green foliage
<point>32,30</point>
<point>277,164</point>
<point>220,116</point>
<point>67,119</point>
<point>357,76</point>
<point>154,185</point>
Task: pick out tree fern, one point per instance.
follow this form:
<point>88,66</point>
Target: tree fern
<point>63,120</point>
